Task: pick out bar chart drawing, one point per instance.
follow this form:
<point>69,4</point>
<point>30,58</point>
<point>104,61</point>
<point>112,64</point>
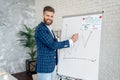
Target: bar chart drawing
<point>86,41</point>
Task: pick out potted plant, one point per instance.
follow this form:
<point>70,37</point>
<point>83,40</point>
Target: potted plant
<point>27,40</point>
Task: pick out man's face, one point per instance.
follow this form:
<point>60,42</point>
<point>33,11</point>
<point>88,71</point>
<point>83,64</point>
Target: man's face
<point>48,17</point>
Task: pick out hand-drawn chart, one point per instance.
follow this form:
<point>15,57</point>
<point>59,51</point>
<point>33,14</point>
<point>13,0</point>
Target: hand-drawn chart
<point>85,52</point>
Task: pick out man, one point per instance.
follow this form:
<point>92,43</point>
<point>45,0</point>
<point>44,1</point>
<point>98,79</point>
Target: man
<point>47,46</point>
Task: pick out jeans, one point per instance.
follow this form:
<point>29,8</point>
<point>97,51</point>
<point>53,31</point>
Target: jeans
<point>47,76</point>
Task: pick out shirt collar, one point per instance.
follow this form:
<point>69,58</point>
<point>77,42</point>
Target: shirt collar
<point>49,27</point>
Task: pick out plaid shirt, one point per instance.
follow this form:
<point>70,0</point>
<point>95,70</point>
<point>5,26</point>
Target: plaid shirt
<point>47,46</point>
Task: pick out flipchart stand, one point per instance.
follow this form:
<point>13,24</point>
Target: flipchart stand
<point>62,77</point>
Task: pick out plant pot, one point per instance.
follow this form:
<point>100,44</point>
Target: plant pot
<point>30,66</point>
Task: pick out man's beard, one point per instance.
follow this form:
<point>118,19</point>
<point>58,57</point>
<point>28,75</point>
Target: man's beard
<point>48,23</point>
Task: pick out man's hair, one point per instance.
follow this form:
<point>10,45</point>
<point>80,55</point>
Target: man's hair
<point>48,8</point>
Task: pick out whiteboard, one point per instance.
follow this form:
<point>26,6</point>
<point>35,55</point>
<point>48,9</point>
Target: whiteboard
<point>81,61</point>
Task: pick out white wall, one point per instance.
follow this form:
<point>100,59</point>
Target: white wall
<point>110,38</point>
<point>13,14</point>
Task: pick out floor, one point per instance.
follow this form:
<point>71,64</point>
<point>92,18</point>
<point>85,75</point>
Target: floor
<point>23,76</point>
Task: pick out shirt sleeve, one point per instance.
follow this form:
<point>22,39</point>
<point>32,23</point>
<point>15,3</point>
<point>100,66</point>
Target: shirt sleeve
<point>46,38</point>
<point>71,42</point>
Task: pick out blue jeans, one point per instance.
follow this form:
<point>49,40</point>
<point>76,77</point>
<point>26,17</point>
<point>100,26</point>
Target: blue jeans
<point>47,76</point>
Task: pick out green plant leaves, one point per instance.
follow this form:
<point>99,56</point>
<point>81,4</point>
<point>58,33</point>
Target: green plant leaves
<point>27,40</point>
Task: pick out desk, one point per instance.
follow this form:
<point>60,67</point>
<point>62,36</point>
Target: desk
<point>6,76</point>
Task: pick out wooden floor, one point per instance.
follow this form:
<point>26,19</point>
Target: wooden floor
<point>23,76</point>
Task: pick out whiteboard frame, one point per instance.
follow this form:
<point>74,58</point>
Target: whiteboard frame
<point>83,14</point>
<point>92,13</point>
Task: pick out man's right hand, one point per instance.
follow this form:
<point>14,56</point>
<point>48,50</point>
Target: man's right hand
<point>74,37</point>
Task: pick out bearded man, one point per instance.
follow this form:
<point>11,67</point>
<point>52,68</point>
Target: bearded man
<point>47,46</point>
